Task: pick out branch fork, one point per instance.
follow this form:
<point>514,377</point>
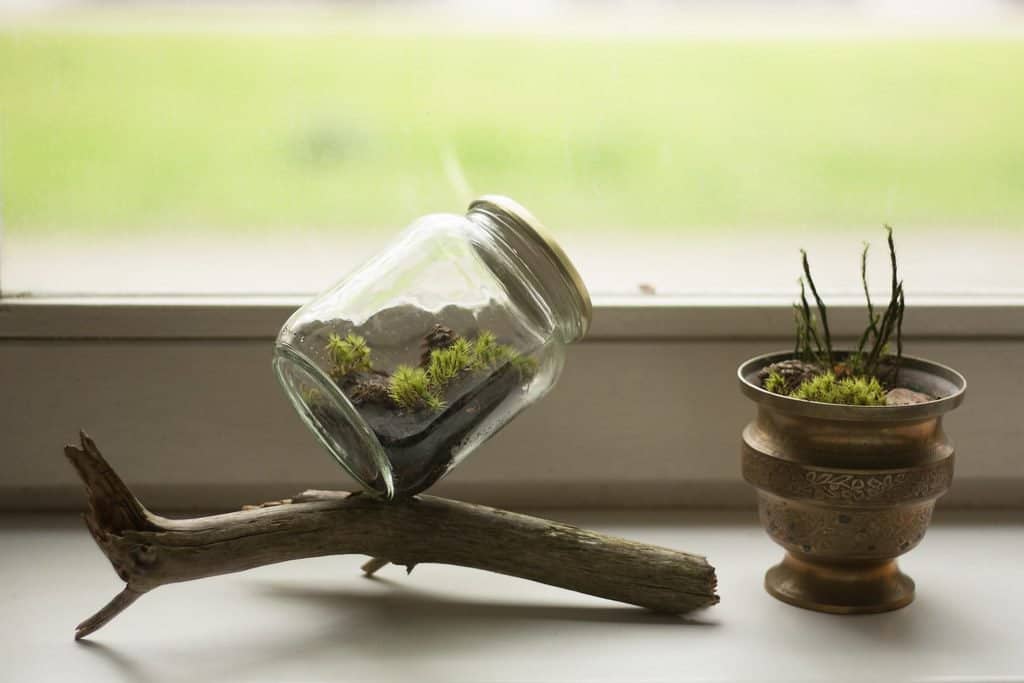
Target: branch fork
<point>148,551</point>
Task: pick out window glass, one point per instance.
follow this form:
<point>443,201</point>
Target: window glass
<point>675,148</point>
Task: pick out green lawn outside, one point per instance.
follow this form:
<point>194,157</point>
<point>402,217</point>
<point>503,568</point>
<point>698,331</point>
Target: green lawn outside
<point>122,132</point>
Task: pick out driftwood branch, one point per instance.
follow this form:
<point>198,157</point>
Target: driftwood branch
<point>148,551</point>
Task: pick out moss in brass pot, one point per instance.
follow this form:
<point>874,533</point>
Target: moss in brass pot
<point>848,454</point>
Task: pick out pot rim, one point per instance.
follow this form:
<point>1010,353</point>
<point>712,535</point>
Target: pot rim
<point>830,411</point>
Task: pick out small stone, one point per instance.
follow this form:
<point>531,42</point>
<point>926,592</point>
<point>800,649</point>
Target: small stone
<point>368,388</point>
<point>440,336</point>
<point>901,396</point>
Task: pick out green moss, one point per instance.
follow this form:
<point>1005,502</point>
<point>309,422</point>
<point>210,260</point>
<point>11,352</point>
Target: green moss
<point>445,364</point>
<point>310,394</point>
<point>524,365</point>
<point>462,347</point>
<point>410,389</point>
<point>776,384</point>
<point>349,355</point>
<point>857,391</point>
<point>489,353</point>
<point>434,403</point>
<point>483,353</point>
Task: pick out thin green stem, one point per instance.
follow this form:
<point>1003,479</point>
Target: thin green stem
<point>872,327</point>
<point>821,309</point>
<point>899,328</point>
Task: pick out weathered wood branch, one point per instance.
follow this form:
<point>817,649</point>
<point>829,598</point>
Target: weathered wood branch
<point>148,551</point>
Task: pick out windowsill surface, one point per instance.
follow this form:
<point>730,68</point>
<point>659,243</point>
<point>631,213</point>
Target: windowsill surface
<point>319,620</point>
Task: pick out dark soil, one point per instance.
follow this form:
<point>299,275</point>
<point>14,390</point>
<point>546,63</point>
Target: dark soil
<point>421,445</point>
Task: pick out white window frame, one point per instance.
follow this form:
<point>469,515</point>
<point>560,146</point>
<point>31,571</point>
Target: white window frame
<point>178,392</point>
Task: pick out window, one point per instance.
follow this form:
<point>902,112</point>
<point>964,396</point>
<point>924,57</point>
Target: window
<point>186,149</point>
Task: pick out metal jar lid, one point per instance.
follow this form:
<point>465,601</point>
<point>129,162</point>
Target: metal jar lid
<point>521,226</point>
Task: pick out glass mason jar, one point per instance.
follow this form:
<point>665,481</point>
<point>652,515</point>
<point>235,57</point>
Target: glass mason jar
<point>416,358</point>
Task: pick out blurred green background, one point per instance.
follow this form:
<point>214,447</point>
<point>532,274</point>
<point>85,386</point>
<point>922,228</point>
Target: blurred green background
<point>248,132</point>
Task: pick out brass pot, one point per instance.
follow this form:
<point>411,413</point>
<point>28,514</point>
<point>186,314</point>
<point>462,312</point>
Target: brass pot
<point>847,489</point>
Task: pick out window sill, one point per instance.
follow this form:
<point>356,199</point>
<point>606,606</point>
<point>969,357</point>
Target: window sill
<point>615,317</point>
<point>179,394</point>
<point>310,619</point>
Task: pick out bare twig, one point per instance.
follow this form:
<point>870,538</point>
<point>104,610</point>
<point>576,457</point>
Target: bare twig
<point>120,602</point>
<point>810,331</point>
<point>374,565</point>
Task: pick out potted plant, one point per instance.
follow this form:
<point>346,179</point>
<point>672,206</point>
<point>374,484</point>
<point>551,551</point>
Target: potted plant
<point>847,454</point>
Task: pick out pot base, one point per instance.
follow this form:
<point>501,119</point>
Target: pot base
<point>841,588</point>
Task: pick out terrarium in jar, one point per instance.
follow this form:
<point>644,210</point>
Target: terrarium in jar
<point>416,358</point>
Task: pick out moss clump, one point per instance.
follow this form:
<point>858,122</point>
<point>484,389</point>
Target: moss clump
<point>446,364</point>
<point>310,394</point>
<point>482,353</point>
<point>410,388</point>
<point>488,353</point>
<point>854,391</point>
<point>349,355</point>
<point>776,383</point>
<point>525,366</point>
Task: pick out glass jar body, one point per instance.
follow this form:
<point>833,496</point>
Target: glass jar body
<point>412,361</point>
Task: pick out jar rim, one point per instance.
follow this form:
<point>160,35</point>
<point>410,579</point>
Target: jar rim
<point>525,225</point>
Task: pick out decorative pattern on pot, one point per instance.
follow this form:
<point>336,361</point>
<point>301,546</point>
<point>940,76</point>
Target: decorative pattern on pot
<point>878,533</point>
<point>798,481</point>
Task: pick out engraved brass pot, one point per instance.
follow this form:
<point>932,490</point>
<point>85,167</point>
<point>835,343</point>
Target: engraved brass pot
<point>847,489</point>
